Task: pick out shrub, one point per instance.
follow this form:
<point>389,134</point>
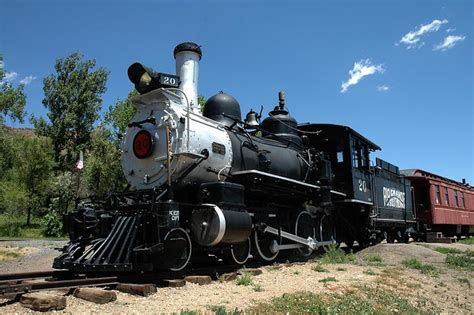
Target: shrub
<point>244,279</point>
<point>53,221</point>
<point>335,255</point>
<point>10,226</point>
<point>13,198</point>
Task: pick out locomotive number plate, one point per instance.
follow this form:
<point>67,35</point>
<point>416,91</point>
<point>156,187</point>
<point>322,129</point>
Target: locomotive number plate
<point>169,80</point>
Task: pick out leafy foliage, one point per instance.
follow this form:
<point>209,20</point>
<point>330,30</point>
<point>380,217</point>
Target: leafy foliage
<point>201,102</point>
<point>102,170</point>
<point>35,166</point>
<point>53,225</point>
<point>73,99</point>
<point>12,100</point>
<point>119,115</point>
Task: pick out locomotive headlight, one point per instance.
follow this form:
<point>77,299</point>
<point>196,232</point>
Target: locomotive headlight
<point>142,144</point>
<point>143,78</point>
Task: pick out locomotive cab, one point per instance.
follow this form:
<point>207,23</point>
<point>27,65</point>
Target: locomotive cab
<point>348,152</point>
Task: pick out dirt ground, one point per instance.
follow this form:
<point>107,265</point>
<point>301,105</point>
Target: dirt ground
<point>450,291</point>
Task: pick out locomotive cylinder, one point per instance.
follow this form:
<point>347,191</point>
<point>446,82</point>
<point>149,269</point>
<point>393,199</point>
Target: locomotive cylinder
<point>212,226</point>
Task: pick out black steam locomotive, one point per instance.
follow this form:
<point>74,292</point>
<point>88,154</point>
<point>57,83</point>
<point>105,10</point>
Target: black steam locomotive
<point>209,185</point>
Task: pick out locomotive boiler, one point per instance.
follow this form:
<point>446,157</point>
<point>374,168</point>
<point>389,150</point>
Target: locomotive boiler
<point>209,186</point>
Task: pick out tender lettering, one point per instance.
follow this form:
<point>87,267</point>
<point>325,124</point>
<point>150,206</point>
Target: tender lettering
<point>393,198</point>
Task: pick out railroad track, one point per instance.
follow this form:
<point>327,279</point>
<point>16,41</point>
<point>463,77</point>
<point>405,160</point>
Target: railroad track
<point>26,282</point>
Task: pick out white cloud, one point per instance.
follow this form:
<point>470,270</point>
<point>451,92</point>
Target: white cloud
<point>383,88</point>
<point>27,80</point>
<point>361,69</point>
<point>9,76</point>
<point>449,42</point>
<point>412,39</point>
<point>449,30</point>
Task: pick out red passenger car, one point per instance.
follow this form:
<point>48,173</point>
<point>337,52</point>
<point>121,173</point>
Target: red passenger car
<point>442,204</point>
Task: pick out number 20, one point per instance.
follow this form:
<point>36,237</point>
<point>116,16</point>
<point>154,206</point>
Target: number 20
<point>362,185</point>
<point>169,80</point>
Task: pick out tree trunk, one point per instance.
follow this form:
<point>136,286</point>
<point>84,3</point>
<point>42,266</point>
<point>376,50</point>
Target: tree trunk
<point>28,216</point>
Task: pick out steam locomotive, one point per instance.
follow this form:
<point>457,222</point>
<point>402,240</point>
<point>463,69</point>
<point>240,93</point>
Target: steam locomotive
<point>209,185</point>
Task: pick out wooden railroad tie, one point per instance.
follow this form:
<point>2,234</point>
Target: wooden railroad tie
<point>228,276</point>
<point>137,289</point>
<point>42,302</point>
<point>251,271</point>
<point>201,280</point>
<point>96,295</point>
<point>174,283</point>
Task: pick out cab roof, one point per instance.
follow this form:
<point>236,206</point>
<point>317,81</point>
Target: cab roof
<point>332,128</point>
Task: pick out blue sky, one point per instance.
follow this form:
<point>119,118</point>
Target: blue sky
<point>404,89</point>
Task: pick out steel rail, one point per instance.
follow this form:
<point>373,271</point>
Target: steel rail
<point>21,283</point>
<point>27,287</point>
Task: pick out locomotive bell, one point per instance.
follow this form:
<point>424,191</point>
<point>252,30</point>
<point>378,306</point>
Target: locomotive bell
<point>252,119</point>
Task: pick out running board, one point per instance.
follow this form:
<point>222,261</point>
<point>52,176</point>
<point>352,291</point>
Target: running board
<point>309,242</point>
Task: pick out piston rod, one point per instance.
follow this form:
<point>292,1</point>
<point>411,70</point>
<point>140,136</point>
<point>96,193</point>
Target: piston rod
<point>309,242</point>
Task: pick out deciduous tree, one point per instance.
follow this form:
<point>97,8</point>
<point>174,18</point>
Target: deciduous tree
<point>12,99</point>
<point>73,99</point>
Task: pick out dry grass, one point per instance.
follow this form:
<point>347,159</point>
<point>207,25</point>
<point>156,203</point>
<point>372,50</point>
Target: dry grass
<point>9,253</point>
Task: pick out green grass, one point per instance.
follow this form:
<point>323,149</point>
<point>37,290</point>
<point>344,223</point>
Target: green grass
<point>447,250</point>
<point>363,301</point>
<point>328,279</point>
<point>257,288</point>
<point>463,261</point>
<point>426,269</point>
<point>374,260</point>
<point>335,255</point>
<point>15,228</point>
<point>221,310</point>
<point>244,279</point>
<point>319,268</point>
<point>469,241</point>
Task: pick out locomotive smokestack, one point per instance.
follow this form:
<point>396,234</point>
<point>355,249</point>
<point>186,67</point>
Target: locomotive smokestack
<point>187,57</point>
